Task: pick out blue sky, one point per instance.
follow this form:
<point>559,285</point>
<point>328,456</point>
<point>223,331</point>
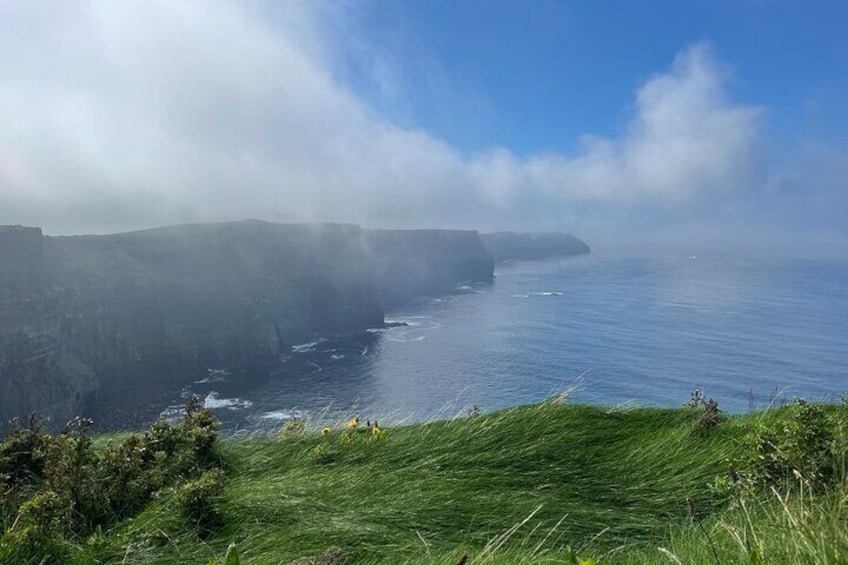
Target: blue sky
<point>686,126</point>
<point>535,76</point>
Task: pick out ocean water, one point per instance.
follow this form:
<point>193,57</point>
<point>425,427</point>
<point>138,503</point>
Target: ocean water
<point>612,330</point>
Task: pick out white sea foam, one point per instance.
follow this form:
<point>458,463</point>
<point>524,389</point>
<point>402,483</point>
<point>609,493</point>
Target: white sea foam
<point>280,415</point>
<point>208,380</point>
<point>336,356</point>
<point>308,347</point>
<point>549,293</point>
<point>213,400</point>
<point>406,338</point>
<point>465,289</point>
<point>172,413</point>
<point>415,323</point>
<point>215,376</point>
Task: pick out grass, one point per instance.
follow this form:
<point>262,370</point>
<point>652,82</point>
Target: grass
<point>534,484</point>
<point>598,480</point>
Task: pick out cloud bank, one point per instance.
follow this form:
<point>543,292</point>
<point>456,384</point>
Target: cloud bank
<point>127,115</point>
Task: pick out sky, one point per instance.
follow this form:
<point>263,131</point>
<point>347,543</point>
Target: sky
<point>686,125</point>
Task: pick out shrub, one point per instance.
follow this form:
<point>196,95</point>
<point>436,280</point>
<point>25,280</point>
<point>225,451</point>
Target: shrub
<point>198,500</point>
<point>36,531</point>
<point>709,415</point>
<point>806,446</point>
<point>22,454</point>
<point>56,486</point>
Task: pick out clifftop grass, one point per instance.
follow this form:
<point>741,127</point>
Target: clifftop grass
<point>534,484</point>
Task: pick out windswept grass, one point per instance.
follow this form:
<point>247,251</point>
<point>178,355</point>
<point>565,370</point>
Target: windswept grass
<point>595,479</point>
<point>534,484</point>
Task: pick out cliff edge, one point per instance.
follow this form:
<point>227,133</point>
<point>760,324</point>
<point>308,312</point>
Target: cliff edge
<point>514,246</point>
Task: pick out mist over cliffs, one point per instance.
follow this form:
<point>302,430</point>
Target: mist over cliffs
<point>510,246</point>
<point>82,314</point>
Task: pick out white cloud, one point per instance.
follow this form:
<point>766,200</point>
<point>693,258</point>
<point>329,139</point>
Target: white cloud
<point>124,115</point>
<point>685,137</point>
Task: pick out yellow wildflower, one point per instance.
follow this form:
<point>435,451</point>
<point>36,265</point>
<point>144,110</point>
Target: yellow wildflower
<point>353,423</point>
<point>325,432</point>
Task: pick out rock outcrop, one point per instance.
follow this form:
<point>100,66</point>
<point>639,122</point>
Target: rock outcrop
<point>82,315</point>
<point>512,246</point>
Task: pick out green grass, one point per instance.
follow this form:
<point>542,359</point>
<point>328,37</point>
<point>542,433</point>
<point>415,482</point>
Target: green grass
<point>522,485</point>
<point>598,480</point>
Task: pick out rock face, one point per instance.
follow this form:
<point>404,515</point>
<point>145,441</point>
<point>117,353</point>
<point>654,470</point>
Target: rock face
<point>411,263</point>
<point>82,315</point>
<point>509,246</point>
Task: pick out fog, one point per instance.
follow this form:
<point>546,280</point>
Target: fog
<point>120,116</point>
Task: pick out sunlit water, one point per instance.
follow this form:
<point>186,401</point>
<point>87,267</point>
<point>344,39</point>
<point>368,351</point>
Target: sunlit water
<point>626,331</point>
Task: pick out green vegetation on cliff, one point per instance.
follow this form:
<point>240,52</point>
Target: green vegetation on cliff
<point>549,483</point>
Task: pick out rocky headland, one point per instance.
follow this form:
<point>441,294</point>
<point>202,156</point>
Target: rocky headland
<point>82,315</point>
<point>516,246</point>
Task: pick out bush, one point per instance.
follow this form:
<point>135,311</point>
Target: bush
<point>709,415</point>
<point>37,530</point>
<point>198,500</point>
<point>22,454</point>
<point>52,487</point>
<point>806,447</point>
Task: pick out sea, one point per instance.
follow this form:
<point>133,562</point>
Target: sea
<point>608,330</point>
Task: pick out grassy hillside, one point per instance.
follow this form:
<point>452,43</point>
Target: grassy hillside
<point>550,483</point>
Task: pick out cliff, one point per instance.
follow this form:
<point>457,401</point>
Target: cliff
<point>509,246</point>
<point>83,316</point>
<point>410,263</point>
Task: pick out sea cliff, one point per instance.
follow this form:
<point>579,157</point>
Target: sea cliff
<point>515,246</point>
<point>82,316</point>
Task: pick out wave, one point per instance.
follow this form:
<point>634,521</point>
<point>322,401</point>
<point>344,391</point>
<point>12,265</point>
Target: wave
<point>209,380</point>
<point>214,376</point>
<point>212,401</point>
<point>405,339</point>
<point>465,289</point>
<point>280,415</point>
<point>308,347</point>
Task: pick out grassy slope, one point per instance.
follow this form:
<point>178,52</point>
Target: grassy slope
<point>613,484</point>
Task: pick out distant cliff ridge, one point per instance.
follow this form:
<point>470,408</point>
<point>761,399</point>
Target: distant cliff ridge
<point>508,246</point>
<point>413,262</point>
<point>81,315</point>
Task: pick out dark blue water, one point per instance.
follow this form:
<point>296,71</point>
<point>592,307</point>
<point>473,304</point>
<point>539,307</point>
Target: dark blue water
<point>624,330</point>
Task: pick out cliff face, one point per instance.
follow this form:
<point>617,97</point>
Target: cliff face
<point>509,246</point>
<point>410,263</point>
<point>30,356</point>
<point>82,315</point>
